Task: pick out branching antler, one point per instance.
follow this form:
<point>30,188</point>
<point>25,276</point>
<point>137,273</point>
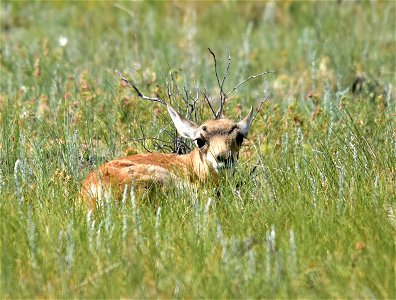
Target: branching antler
<point>155,99</point>
<point>179,146</point>
<point>207,100</point>
<point>244,81</point>
<point>191,106</point>
<point>259,107</point>
<point>224,96</point>
<point>217,75</point>
<point>168,89</point>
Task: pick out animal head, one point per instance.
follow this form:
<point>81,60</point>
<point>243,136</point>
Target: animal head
<point>218,140</point>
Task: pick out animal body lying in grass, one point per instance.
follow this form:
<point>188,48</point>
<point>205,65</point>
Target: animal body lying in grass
<point>218,143</point>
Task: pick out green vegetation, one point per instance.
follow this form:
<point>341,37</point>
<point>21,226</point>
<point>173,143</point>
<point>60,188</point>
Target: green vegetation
<point>310,211</point>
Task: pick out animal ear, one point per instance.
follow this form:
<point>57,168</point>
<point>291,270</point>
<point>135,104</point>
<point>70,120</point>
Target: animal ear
<point>184,127</point>
<point>244,124</point>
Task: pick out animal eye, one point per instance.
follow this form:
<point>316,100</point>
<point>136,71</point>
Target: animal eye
<point>239,139</point>
<point>200,142</point>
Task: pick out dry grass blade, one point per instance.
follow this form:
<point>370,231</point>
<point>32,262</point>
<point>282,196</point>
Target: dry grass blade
<point>96,275</point>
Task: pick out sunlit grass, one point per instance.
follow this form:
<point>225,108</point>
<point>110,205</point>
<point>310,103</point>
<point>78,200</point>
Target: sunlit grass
<point>310,211</point>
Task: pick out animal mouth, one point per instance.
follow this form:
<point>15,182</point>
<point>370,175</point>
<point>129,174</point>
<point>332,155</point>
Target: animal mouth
<point>223,165</point>
<point>229,165</point>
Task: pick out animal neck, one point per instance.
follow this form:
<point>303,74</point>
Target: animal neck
<point>197,164</point>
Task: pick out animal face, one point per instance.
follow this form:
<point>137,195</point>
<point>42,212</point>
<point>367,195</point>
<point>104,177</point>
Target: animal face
<point>219,140</point>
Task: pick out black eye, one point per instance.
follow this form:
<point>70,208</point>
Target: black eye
<point>200,142</point>
<point>239,139</point>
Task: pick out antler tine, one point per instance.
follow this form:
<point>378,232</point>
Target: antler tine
<point>245,80</point>
<point>210,105</point>
<point>154,99</point>
<point>259,107</point>
<point>219,112</point>
<point>222,95</point>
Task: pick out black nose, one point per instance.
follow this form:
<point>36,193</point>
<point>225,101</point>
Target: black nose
<point>223,159</point>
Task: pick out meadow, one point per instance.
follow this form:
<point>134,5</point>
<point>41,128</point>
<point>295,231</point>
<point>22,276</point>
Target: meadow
<point>310,211</point>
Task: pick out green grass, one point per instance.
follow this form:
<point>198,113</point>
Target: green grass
<point>310,211</point>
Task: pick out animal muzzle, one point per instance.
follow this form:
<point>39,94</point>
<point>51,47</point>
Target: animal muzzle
<point>225,162</point>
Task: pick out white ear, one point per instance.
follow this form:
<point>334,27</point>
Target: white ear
<point>185,128</point>
<point>244,124</point>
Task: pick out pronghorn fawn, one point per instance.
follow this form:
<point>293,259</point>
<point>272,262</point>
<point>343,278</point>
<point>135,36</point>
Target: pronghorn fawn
<point>217,141</point>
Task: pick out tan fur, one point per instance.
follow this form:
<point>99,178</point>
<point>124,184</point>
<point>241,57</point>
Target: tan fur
<point>146,170</point>
<point>158,169</point>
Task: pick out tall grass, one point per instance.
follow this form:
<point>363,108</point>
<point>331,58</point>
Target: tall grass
<point>310,210</point>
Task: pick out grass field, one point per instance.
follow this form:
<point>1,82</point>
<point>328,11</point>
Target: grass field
<point>310,211</point>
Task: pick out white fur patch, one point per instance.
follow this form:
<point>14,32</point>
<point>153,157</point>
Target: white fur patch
<point>212,162</point>
<point>220,167</point>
